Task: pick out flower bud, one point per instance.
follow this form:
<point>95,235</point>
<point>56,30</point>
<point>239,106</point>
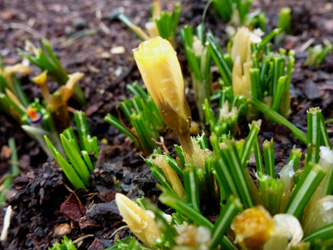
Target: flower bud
<point>141,223</point>
<point>287,232</point>
<point>241,78</point>
<point>9,70</point>
<point>171,175</point>
<point>253,227</point>
<point>161,73</point>
<point>41,81</point>
<point>242,45</point>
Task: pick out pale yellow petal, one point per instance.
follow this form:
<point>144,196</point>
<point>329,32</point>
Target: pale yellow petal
<point>138,220</point>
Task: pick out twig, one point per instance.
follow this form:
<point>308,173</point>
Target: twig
<point>161,144</point>
<point>77,198</point>
<point>306,44</point>
<point>6,224</point>
<point>82,238</point>
<point>26,28</point>
<point>104,28</point>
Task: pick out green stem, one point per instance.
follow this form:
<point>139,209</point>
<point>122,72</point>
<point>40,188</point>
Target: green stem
<point>314,136</point>
<point>271,192</point>
<point>278,118</point>
<point>295,157</point>
<point>268,148</point>
<point>217,55</point>
<point>251,138</point>
<point>13,157</point>
<point>231,209</point>
<point>277,98</point>
<point>238,174</point>
<point>257,156</point>
<point>306,186</point>
<point>192,188</point>
<point>323,130</point>
<point>256,89</point>
<point>324,233</point>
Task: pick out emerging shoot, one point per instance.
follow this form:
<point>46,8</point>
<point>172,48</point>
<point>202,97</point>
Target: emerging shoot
<point>45,59</point>
<point>140,222</point>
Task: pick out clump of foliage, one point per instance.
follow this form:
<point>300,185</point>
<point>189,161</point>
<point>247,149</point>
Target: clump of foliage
<point>81,156</point>
<point>144,117</point>
<point>317,54</point>
<point>161,24</point>
<point>230,109</point>
<point>66,244</point>
<point>127,243</point>
<point>285,20</point>
<point>284,24</point>
<point>237,12</point>
<point>199,61</point>
<point>45,59</point>
<point>254,71</point>
<point>37,119</point>
<point>280,210</point>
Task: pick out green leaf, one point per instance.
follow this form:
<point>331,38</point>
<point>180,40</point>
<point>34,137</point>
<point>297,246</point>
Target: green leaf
<point>69,171</point>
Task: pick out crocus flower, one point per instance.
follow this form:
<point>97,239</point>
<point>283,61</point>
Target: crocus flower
<point>141,223</point>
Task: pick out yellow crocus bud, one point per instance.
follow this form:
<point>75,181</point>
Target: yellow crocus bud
<point>225,114</point>
<point>197,46</point>
<point>171,175</point>
<point>9,70</point>
<point>156,9</point>
<point>73,79</point>
<point>17,68</point>
<point>41,78</point>
<point>241,81</point>
<point>141,223</point>
<point>152,29</point>
<point>161,73</point>
<point>242,44</point>
<point>57,105</point>
<point>253,227</point>
<point>241,56</point>
<point>14,98</point>
<point>41,81</point>
<point>192,237</point>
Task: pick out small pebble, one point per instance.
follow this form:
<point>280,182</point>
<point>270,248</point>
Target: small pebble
<point>117,50</point>
<point>61,230</point>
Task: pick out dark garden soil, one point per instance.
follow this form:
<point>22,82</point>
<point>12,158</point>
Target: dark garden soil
<point>45,208</point>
